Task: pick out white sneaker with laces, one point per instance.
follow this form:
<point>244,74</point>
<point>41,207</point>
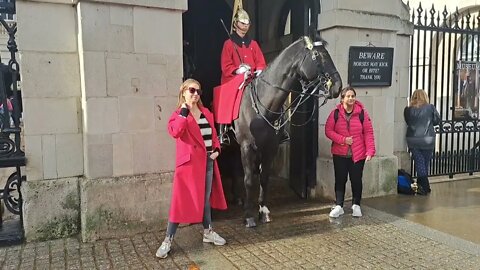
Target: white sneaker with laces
<point>336,211</point>
<point>357,211</point>
<point>162,251</point>
<point>213,237</point>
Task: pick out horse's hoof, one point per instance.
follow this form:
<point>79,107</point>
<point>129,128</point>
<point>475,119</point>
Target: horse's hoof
<point>264,214</point>
<point>264,217</point>
<point>250,222</point>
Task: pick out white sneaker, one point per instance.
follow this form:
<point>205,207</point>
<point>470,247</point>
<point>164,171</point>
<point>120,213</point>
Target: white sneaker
<point>213,237</point>
<point>336,211</point>
<point>357,211</point>
<point>162,251</point>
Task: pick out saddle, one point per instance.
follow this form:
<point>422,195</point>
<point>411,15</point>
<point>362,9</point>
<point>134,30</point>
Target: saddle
<point>227,98</point>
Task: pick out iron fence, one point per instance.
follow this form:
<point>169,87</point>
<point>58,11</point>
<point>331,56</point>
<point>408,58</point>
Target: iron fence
<point>11,154</point>
<point>445,62</point>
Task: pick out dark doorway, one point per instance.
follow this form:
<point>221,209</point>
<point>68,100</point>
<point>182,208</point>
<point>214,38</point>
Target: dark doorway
<point>203,36</point>
<point>304,125</point>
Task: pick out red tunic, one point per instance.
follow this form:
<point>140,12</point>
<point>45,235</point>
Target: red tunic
<point>251,54</point>
<point>188,192</point>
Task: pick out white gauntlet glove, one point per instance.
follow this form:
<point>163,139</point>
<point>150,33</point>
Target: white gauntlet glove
<point>242,69</point>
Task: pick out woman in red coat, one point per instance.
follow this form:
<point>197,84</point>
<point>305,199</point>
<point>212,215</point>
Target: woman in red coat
<point>197,186</point>
<point>351,131</point>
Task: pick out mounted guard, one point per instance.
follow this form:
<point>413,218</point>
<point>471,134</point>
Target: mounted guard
<point>241,60</point>
<point>261,114</point>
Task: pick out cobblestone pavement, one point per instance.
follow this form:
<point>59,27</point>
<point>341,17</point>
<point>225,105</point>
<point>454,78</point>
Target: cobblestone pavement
<point>301,236</point>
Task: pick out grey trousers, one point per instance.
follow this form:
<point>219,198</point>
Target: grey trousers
<point>207,212</point>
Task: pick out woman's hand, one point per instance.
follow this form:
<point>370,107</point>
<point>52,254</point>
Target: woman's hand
<point>368,158</point>
<point>214,155</point>
<point>349,140</point>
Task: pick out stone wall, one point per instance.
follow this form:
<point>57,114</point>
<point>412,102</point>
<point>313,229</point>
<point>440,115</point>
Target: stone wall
<point>100,79</point>
<point>99,83</point>
<point>346,23</point>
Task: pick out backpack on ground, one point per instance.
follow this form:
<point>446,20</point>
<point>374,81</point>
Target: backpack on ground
<point>405,183</point>
<point>337,111</point>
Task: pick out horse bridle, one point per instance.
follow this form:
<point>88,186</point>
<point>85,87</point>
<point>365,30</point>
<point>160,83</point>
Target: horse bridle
<point>318,87</point>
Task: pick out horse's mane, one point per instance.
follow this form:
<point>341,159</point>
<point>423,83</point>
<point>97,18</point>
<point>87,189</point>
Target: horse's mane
<point>287,49</point>
<point>284,51</point>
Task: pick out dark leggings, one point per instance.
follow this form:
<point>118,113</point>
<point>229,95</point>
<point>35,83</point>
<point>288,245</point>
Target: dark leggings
<point>207,213</point>
<point>345,167</point>
<point>422,160</point>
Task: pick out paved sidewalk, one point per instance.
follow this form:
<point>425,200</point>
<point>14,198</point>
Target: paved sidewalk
<point>453,207</point>
<point>301,236</point>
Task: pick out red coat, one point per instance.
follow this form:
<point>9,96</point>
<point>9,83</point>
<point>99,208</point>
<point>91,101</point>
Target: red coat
<point>252,55</point>
<point>188,193</point>
<point>363,139</point>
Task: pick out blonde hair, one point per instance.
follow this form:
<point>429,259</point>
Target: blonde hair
<point>419,98</point>
<point>183,87</point>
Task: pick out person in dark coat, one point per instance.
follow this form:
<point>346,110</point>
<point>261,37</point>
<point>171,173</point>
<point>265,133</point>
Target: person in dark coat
<point>420,117</point>
<point>197,186</point>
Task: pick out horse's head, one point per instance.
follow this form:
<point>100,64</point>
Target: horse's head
<point>317,68</point>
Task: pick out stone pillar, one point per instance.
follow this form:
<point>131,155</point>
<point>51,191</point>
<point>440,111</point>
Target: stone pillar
<point>100,79</point>
<point>345,23</point>
<point>49,68</point>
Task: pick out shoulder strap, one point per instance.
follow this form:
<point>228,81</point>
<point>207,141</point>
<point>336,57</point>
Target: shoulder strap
<point>361,116</point>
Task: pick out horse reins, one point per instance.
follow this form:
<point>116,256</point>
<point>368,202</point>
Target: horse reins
<point>321,80</point>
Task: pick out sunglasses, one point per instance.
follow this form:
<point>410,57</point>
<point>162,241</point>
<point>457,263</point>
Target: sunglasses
<point>192,91</point>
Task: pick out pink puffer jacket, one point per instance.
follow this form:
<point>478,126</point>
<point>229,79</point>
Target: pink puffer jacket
<point>363,138</point>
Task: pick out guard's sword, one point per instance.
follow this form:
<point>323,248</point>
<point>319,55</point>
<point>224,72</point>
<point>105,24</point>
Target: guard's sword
<point>234,45</point>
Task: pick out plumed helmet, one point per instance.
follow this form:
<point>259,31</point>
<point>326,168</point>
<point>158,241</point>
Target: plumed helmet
<point>242,16</point>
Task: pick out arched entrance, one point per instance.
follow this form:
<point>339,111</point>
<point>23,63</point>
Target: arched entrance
<point>275,25</point>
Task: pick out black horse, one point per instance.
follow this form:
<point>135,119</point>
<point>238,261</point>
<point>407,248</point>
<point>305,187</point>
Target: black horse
<point>261,114</point>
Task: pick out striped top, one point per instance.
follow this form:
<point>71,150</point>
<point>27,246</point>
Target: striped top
<point>206,131</point>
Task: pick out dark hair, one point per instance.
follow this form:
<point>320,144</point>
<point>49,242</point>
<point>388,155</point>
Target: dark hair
<point>345,90</point>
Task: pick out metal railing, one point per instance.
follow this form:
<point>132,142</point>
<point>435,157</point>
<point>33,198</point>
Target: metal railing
<point>11,154</point>
<point>444,51</point>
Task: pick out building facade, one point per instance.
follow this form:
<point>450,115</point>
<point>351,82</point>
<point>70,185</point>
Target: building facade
<point>100,79</point>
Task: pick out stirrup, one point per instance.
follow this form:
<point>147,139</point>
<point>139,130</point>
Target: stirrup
<point>224,139</point>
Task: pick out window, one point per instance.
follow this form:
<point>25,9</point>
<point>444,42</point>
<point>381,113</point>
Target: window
<point>286,14</point>
<point>7,9</point>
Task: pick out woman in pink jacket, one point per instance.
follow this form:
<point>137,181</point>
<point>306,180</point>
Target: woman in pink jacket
<point>196,185</point>
<point>350,129</point>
